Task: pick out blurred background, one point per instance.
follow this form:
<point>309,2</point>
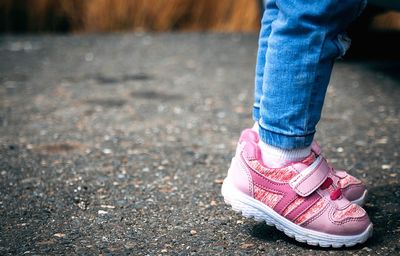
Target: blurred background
<point>375,34</point>
<point>18,16</point>
<point>128,15</point>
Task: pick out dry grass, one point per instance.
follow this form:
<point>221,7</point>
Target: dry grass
<point>387,21</point>
<point>141,15</point>
<point>131,15</point>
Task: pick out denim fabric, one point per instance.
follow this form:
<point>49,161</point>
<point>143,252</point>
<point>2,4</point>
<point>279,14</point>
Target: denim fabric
<point>298,43</point>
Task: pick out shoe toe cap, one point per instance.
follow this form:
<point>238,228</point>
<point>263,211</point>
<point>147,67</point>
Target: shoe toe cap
<point>352,220</point>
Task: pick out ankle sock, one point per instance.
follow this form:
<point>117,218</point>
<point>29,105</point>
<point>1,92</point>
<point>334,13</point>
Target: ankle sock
<point>275,157</point>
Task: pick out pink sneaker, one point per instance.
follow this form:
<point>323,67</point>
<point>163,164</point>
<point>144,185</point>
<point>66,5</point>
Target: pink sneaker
<point>352,188</point>
<point>299,199</point>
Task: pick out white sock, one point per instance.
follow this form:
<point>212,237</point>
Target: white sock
<point>276,157</point>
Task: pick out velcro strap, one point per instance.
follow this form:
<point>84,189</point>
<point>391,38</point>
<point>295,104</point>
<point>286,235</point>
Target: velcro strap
<point>311,178</point>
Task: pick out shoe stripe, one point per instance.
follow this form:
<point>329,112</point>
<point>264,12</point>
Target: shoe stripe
<point>271,186</point>
<point>303,207</point>
<point>288,195</point>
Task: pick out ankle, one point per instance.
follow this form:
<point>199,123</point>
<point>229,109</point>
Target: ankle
<point>275,157</point>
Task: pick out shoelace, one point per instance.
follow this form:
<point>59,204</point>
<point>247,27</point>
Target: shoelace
<point>335,194</point>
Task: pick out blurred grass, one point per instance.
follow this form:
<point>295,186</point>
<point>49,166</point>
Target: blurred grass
<point>387,21</point>
<point>146,15</point>
<point>128,15</point>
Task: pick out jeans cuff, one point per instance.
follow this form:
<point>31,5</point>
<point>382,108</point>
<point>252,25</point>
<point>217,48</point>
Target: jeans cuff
<point>285,141</point>
<point>256,113</point>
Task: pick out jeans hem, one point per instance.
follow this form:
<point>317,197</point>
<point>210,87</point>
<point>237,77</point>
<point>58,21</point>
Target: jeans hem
<point>285,141</point>
<point>256,113</point>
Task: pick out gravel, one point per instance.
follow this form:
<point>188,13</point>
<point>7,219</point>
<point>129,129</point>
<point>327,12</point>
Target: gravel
<point>117,144</point>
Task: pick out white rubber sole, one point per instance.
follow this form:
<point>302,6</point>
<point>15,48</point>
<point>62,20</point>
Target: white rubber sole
<point>361,201</point>
<point>250,207</point>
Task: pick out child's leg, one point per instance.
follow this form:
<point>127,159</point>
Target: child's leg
<point>274,156</point>
<point>302,45</point>
<point>305,198</point>
<point>270,14</point>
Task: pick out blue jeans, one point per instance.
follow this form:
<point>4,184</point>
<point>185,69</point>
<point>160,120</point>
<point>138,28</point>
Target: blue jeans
<point>298,43</point>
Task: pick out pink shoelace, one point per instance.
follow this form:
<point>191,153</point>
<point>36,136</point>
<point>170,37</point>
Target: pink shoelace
<point>335,194</point>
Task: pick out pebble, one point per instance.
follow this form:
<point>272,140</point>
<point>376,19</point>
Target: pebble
<point>367,249</point>
<point>60,235</point>
<point>107,206</point>
<point>383,140</point>
<point>246,245</point>
<point>218,181</point>
<point>107,151</point>
<point>101,212</point>
<point>82,205</point>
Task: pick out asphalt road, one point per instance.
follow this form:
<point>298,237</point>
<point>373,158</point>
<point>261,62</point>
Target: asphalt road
<point>117,144</point>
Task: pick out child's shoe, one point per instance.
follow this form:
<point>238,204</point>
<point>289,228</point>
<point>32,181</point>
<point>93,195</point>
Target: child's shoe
<point>300,199</point>
<point>352,188</point>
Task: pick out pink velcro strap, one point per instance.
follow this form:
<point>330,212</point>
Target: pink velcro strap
<point>311,178</point>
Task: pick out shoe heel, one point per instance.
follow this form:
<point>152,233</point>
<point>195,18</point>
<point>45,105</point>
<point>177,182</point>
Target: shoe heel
<point>237,200</point>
